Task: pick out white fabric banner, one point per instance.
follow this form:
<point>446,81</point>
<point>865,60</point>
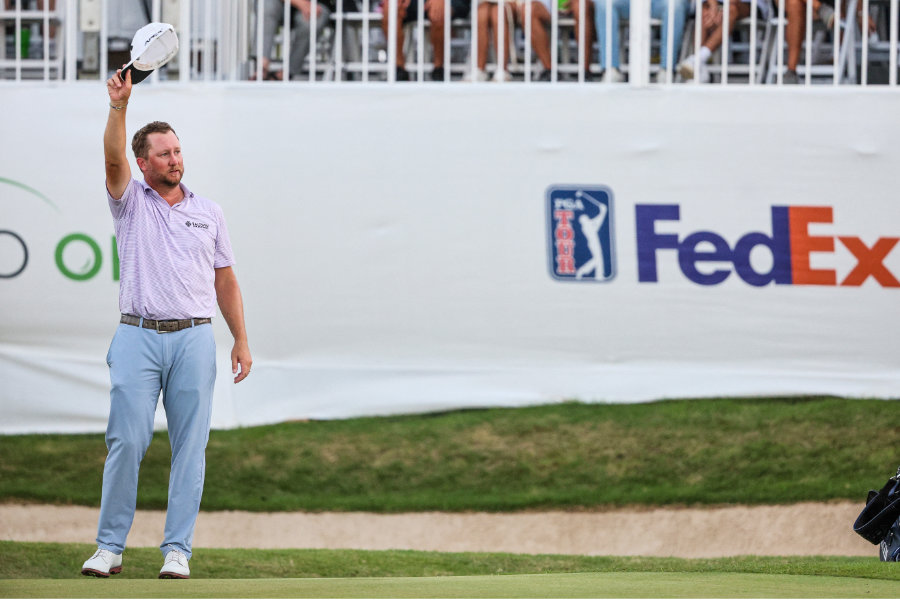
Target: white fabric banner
<point>420,248</point>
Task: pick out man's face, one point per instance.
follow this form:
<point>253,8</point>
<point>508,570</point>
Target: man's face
<point>163,165</point>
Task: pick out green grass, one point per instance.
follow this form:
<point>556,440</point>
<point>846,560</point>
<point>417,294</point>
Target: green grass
<point>52,570</point>
<point>574,585</point>
<point>32,560</point>
<point>690,452</point>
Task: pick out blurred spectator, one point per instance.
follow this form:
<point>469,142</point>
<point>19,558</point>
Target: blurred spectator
<point>659,9</point>
<point>712,30</point>
<point>488,11</point>
<point>26,37</point>
<point>301,16</point>
<point>795,29</point>
<point>540,31</point>
<point>434,12</point>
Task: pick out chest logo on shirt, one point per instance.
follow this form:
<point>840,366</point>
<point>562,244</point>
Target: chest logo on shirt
<point>196,224</point>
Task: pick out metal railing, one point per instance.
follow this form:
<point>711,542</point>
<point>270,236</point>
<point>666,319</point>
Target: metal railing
<point>853,43</point>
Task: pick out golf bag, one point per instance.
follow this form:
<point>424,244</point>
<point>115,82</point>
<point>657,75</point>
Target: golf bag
<point>879,521</point>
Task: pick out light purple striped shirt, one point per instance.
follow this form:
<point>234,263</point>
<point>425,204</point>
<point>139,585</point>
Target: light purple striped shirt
<point>168,255</point>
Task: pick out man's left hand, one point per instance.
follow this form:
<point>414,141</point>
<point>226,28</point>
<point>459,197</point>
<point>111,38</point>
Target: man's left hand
<point>240,356</point>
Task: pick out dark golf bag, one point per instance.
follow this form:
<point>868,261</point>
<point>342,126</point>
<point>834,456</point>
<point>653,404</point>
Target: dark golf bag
<point>879,522</point>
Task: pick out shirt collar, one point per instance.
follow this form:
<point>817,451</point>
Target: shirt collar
<point>187,193</point>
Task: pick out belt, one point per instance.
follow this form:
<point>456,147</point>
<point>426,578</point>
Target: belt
<point>163,326</point>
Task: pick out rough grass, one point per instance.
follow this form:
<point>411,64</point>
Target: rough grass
<point>690,452</point>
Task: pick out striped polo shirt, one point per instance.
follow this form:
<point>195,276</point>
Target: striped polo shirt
<point>167,254</point>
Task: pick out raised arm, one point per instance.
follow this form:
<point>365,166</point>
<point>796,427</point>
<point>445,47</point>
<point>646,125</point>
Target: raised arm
<point>228,294</point>
<point>118,172</point>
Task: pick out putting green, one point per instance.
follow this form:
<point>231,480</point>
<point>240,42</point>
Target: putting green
<point>569,585</point>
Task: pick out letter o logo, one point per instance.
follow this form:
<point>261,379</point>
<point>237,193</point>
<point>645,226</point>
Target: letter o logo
<point>21,268</point>
<point>92,245</point>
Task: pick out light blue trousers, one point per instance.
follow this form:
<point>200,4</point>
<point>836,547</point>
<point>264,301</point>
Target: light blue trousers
<point>143,363</point>
<point>659,9</point>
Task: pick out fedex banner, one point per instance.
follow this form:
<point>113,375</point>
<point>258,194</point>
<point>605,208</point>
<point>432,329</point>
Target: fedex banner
<point>421,248</point>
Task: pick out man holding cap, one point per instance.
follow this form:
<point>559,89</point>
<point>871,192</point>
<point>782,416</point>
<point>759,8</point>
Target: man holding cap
<point>175,265</point>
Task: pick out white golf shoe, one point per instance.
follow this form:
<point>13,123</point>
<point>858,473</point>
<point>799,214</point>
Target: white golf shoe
<point>175,566</point>
<point>102,564</point>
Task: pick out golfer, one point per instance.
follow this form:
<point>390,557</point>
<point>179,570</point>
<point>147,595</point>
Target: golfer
<point>175,264</point>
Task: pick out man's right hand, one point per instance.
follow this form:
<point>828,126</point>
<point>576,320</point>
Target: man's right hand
<point>119,91</point>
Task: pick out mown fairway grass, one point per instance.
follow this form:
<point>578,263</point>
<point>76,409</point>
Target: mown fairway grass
<point>691,452</point>
<point>574,585</point>
<point>51,570</point>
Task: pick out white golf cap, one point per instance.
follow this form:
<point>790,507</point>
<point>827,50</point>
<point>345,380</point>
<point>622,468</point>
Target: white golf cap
<point>153,46</point>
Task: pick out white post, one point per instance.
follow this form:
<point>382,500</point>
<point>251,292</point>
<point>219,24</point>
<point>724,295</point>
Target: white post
<point>286,41</point>
<point>18,38</point>
<point>473,52</point>
<point>582,11</point>
<point>448,17</point>
<point>420,42</point>
<point>864,40</point>
<point>365,40</point>
<point>836,71</point>
<point>208,43</point>
<point>528,41</point>
<point>608,45</point>
<point>156,17</point>
<point>501,43</point>
<point>753,30</point>
<point>779,45</point>
<point>639,43</point>
<point>71,40</point>
<point>392,17</point>
<point>807,77</point>
<point>46,41</point>
<point>726,17</point>
<point>104,40</point>
<point>892,62</point>
<point>313,41</point>
<point>554,40</point>
<point>260,7</point>
<point>339,41</point>
<point>669,77</point>
<point>184,51</point>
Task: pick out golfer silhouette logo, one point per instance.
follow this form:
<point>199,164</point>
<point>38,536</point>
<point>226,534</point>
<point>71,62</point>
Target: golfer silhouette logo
<point>580,233</point>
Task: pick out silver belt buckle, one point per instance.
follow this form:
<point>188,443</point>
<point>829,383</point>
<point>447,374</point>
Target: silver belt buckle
<point>164,329</point>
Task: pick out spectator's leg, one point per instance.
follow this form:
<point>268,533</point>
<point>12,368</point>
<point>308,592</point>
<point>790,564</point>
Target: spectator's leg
<point>300,38</point>
<point>659,9</point>
<point>435,14</point>
<point>736,10</point>
<point>52,7</point>
<point>795,29</point>
<point>588,28</point>
<point>620,9</point>
<point>300,42</point>
<point>540,32</point>
<point>494,19</point>
<point>273,17</point>
<point>484,13</point>
<point>401,38</point>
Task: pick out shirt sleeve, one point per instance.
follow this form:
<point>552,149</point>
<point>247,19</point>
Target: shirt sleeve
<point>223,257</point>
<point>119,207</point>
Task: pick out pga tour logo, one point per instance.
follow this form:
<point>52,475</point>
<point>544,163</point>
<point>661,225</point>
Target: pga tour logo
<point>580,233</point>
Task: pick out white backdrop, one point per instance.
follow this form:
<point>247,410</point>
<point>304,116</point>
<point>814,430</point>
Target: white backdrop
<point>393,244</point>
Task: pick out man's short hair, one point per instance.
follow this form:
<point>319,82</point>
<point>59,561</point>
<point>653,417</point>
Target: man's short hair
<point>140,144</point>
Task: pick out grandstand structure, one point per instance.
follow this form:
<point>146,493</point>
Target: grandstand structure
<point>68,40</point>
